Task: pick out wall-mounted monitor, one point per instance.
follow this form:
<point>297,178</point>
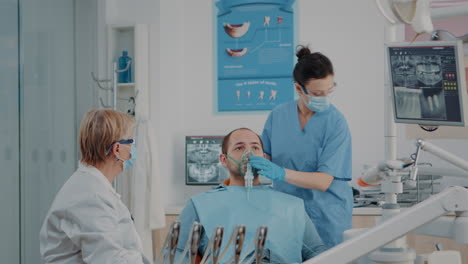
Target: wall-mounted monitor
<point>202,160</point>
<point>427,81</point>
<point>202,165</point>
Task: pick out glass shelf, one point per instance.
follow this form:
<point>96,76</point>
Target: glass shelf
<point>125,84</point>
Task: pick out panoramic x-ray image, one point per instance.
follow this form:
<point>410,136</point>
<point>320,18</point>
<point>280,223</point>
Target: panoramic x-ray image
<point>203,166</point>
<point>413,71</point>
<point>404,71</point>
<point>428,70</point>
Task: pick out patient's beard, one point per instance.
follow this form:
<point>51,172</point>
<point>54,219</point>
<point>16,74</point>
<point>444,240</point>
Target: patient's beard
<point>235,172</point>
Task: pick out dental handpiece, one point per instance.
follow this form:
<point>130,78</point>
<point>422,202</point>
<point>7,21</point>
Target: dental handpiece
<point>169,242</point>
<point>173,242</point>
<point>195,241</point>
<point>257,246</point>
<point>235,236</point>
<point>260,240</point>
<point>214,246</point>
<point>192,244</point>
<point>217,244</point>
<point>239,243</point>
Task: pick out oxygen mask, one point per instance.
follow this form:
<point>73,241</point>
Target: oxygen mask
<point>245,170</point>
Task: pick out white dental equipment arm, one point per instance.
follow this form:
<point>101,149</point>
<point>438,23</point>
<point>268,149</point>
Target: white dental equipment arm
<point>440,153</point>
<point>376,174</point>
<point>416,13</point>
<point>451,199</point>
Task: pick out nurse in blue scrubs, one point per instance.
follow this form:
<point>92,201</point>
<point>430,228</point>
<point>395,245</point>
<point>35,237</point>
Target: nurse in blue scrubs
<point>309,145</point>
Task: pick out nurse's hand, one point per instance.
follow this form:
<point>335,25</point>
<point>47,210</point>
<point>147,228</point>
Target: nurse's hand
<point>268,168</point>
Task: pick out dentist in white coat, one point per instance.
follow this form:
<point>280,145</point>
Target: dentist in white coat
<point>87,222</point>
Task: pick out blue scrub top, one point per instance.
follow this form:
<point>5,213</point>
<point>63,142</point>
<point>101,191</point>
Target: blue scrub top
<point>324,145</point>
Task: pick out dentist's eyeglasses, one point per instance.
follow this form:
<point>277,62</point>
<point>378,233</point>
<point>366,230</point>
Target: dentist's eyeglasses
<point>123,141</point>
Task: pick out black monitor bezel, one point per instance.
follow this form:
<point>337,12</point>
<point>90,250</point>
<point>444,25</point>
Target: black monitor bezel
<point>460,81</point>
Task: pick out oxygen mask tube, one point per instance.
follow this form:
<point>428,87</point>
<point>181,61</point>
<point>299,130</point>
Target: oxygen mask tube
<point>248,173</point>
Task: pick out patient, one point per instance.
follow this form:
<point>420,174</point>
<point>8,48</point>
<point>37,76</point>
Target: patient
<point>292,237</point>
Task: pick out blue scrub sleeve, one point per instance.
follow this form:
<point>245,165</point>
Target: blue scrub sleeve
<point>266,136</point>
<point>186,218</point>
<point>312,243</point>
<point>335,158</point>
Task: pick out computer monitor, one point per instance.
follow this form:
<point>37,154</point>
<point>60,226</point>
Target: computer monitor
<point>202,160</point>
<point>202,165</point>
<point>427,81</point>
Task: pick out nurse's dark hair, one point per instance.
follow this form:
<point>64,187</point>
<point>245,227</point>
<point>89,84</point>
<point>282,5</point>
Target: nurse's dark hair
<point>311,65</point>
<point>225,144</point>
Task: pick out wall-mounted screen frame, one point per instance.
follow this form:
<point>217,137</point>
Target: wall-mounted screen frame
<point>427,80</point>
<point>202,166</point>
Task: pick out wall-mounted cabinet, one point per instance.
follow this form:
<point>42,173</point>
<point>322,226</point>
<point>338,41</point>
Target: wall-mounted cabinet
<point>129,74</point>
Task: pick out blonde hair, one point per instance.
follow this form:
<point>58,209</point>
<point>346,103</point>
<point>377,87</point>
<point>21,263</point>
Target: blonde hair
<point>99,129</point>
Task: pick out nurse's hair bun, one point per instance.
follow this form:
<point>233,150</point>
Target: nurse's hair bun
<point>311,65</point>
<point>302,52</point>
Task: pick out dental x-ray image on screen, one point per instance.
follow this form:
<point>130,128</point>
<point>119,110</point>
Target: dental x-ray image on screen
<point>202,160</point>
<point>427,79</point>
<point>202,165</point>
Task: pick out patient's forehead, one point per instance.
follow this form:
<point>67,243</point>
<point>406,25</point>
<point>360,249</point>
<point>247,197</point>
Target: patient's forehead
<point>244,136</point>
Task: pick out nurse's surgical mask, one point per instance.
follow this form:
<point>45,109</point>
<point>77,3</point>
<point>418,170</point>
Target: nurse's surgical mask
<point>243,162</point>
<point>318,104</point>
<point>318,101</point>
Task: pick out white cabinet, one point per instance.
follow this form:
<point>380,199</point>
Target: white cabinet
<point>135,40</point>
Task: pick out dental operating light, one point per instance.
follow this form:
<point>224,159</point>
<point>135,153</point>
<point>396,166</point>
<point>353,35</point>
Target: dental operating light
<point>416,13</point>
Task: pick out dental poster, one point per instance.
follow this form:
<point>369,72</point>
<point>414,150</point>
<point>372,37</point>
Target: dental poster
<point>255,54</point>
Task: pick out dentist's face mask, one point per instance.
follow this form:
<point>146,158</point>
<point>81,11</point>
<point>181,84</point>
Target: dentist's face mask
<point>245,158</point>
<point>127,163</point>
<point>317,103</point>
